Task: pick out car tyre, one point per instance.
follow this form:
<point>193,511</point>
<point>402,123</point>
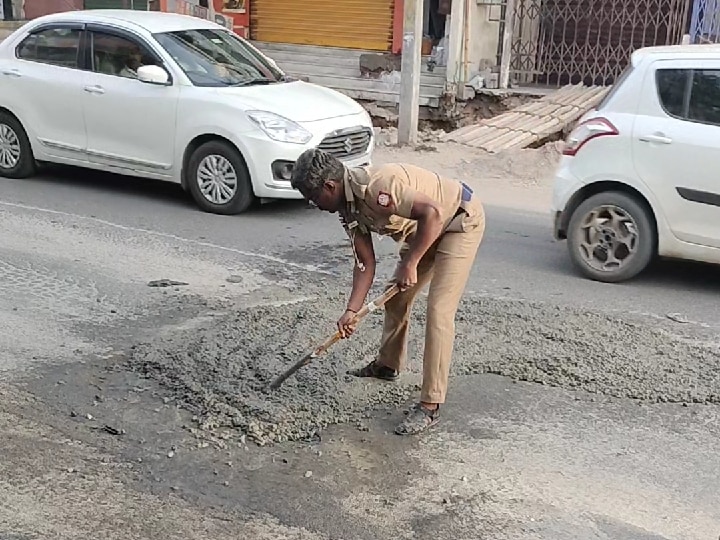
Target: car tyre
<point>214,169</point>
<point>13,136</point>
<point>630,215</point>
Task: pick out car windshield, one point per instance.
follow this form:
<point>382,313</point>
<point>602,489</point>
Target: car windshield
<point>217,58</point>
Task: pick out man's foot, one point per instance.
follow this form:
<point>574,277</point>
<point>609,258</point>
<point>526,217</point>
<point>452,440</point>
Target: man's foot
<point>419,419</point>
<point>376,370</point>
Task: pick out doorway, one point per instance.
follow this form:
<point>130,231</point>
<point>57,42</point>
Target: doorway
<point>435,14</point>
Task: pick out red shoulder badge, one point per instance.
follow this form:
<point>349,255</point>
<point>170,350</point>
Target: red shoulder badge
<point>384,199</point>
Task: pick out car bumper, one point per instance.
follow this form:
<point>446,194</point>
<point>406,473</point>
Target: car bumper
<point>269,158</point>
<point>270,187</point>
<point>565,186</point>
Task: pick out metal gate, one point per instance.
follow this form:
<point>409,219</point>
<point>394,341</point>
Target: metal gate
<point>705,22</point>
<point>558,42</point>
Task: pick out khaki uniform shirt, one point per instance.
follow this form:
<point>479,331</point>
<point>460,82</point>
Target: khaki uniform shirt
<point>380,199</point>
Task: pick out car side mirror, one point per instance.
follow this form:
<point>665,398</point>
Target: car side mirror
<point>153,75</point>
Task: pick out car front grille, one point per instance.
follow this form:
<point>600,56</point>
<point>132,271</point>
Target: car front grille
<point>347,143</point>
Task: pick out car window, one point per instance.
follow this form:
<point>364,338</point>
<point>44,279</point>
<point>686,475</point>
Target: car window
<point>690,94</point>
<point>672,86</point>
<point>616,86</point>
<point>704,104</point>
<point>217,58</point>
<point>116,55</point>
<point>55,46</point>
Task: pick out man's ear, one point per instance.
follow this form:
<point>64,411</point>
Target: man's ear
<point>330,186</point>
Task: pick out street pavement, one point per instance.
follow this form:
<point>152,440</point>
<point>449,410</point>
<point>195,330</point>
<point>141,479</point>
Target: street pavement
<point>518,257</point>
<point>77,250</point>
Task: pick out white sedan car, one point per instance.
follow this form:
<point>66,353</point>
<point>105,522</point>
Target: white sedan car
<point>169,97</point>
<point>640,176</point>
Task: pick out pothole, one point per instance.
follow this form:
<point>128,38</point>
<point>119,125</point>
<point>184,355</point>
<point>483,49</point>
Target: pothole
<point>220,370</point>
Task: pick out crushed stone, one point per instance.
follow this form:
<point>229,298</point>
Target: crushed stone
<point>220,372</point>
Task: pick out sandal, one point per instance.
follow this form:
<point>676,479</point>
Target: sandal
<point>418,420</point>
<point>378,371</point>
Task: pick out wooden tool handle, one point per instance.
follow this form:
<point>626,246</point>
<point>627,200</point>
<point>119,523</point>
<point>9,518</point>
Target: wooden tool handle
<point>379,302</point>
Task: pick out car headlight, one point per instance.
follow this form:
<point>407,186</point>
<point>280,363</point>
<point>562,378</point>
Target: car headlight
<point>367,116</point>
<point>279,128</point>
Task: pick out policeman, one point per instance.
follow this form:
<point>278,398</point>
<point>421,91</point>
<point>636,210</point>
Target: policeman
<point>438,224</point>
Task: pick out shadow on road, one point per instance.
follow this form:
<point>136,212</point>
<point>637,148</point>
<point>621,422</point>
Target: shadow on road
<point>166,193</point>
<point>522,242</point>
<point>685,275</point>
<point>670,275</point>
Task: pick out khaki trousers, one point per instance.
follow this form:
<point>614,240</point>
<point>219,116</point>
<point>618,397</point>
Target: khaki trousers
<point>446,267</point>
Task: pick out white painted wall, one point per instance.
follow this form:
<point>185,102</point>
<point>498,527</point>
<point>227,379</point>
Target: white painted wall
<point>473,38</point>
<point>484,37</point>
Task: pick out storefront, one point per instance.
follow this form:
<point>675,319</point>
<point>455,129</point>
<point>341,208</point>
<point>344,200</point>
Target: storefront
<point>237,11</point>
<point>32,9</point>
<point>352,24</point>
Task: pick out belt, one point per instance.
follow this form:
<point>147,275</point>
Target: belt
<point>466,192</point>
<point>466,196</point>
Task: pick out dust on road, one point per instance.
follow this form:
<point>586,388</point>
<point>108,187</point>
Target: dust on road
<point>221,371</point>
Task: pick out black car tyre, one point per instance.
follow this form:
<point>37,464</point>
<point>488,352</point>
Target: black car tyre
<point>218,179</point>
<point>16,155</point>
<point>611,237</point>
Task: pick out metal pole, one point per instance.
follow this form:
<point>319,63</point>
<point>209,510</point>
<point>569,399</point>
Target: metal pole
<point>410,72</point>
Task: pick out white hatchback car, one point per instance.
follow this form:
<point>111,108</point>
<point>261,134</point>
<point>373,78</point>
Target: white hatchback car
<point>640,175</point>
<point>169,97</point>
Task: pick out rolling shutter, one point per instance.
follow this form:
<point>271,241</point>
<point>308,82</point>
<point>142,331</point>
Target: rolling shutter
<point>352,24</point>
<point>140,5</point>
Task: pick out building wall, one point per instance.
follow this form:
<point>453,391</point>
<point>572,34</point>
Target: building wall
<point>18,9</point>
<point>484,37</point>
<point>38,8</point>
<point>8,27</point>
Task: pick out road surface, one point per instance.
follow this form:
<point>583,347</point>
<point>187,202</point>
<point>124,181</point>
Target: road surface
<point>512,459</point>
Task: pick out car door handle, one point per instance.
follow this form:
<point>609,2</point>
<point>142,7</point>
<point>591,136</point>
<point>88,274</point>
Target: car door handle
<point>95,89</point>
<point>657,138</point>
<point>11,72</point>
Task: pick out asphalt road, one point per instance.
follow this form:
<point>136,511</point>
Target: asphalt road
<point>518,257</point>
<point>522,461</point>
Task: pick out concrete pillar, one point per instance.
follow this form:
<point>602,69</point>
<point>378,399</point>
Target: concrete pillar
<point>455,24</point>
<point>410,72</point>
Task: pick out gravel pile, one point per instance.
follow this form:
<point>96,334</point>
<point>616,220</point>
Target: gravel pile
<point>221,371</point>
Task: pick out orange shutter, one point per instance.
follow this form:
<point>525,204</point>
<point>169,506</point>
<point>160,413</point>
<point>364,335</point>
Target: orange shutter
<point>352,24</point>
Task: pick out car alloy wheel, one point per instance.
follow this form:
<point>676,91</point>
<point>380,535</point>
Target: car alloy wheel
<point>609,238</point>
<point>217,179</point>
<point>612,236</point>
<point>9,147</point>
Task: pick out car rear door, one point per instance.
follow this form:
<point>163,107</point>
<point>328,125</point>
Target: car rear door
<point>676,145</point>
<point>130,124</point>
<point>43,87</point>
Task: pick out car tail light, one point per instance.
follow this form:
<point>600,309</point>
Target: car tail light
<point>586,131</point>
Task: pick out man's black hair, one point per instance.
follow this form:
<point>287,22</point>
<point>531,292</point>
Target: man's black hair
<point>313,168</point>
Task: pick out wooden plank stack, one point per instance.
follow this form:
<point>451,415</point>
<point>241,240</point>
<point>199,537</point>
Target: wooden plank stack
<point>532,121</point>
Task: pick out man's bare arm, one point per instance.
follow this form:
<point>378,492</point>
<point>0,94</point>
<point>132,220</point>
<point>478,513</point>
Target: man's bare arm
<point>428,215</point>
